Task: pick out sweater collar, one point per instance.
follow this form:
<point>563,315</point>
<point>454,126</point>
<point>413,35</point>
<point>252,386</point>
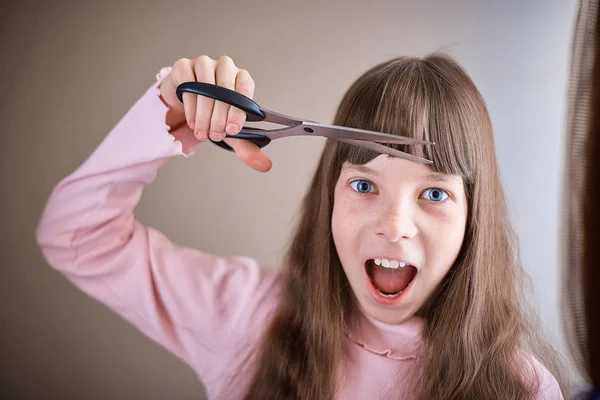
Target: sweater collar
<point>396,341</point>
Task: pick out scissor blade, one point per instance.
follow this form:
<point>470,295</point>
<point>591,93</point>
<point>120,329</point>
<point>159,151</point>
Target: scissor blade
<point>386,150</point>
<point>337,132</point>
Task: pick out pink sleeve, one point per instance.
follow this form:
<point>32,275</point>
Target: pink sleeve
<point>191,302</point>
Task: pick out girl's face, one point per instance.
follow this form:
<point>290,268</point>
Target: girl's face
<point>398,228</point>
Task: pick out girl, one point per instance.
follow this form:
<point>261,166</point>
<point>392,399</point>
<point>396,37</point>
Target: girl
<point>399,282</point>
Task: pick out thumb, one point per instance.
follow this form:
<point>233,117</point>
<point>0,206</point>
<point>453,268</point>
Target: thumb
<point>250,154</point>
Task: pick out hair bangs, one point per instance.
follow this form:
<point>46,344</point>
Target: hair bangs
<point>412,99</point>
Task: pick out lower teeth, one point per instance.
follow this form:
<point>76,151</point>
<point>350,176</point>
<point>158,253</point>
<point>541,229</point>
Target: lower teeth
<point>389,296</point>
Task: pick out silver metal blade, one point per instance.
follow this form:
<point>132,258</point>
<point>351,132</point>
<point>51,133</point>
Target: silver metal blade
<point>276,118</point>
<point>385,150</point>
<point>279,133</point>
<point>335,132</point>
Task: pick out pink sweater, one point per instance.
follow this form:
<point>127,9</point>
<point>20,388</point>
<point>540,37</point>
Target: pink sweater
<point>206,309</point>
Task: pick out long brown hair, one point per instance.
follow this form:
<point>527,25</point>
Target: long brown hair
<point>477,308</point>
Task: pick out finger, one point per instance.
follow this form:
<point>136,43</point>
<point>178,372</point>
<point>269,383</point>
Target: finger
<point>250,154</point>
<point>244,84</point>
<point>189,105</point>
<point>204,68</point>
<point>225,74</point>
<point>183,72</point>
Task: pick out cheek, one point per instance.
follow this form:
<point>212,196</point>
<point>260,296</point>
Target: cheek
<point>346,226</point>
<point>350,214</point>
<point>445,242</point>
<point>341,221</point>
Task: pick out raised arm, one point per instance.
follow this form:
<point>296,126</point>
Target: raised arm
<point>191,302</point>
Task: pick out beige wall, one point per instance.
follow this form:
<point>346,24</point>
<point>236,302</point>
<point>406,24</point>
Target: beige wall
<point>70,70</point>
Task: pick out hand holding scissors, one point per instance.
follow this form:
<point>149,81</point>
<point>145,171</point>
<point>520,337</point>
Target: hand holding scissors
<point>192,86</point>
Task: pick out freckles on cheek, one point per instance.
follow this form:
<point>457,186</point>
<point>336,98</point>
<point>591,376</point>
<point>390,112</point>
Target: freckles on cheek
<point>345,213</point>
<point>349,221</point>
<point>346,219</point>
<point>351,209</point>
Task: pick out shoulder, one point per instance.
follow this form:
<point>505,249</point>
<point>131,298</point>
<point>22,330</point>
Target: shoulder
<point>251,290</point>
<point>245,291</point>
<point>216,297</point>
<point>547,386</point>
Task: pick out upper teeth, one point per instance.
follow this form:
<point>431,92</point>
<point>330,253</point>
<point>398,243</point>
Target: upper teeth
<point>384,262</point>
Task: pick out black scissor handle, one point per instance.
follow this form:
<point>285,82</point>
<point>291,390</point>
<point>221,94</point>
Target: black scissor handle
<point>259,140</point>
<point>252,110</point>
<point>246,104</point>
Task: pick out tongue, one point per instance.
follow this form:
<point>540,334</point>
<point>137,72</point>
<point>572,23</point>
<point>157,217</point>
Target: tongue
<point>390,280</point>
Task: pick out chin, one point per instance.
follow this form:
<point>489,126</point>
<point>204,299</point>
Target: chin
<point>385,315</point>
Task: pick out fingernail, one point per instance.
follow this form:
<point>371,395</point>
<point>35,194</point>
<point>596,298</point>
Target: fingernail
<point>232,129</point>
<point>201,135</point>
<point>192,125</point>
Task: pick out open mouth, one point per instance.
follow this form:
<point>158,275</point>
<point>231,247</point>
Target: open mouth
<point>390,280</point>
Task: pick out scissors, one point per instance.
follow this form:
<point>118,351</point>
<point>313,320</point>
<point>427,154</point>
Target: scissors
<point>294,126</point>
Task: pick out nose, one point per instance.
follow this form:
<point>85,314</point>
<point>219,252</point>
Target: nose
<point>397,223</point>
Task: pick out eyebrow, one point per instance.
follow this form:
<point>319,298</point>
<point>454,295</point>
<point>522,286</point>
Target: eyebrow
<point>362,169</point>
<point>433,176</point>
<point>437,177</point>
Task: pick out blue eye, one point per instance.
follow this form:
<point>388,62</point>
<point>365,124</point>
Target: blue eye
<point>361,186</point>
<point>435,195</point>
